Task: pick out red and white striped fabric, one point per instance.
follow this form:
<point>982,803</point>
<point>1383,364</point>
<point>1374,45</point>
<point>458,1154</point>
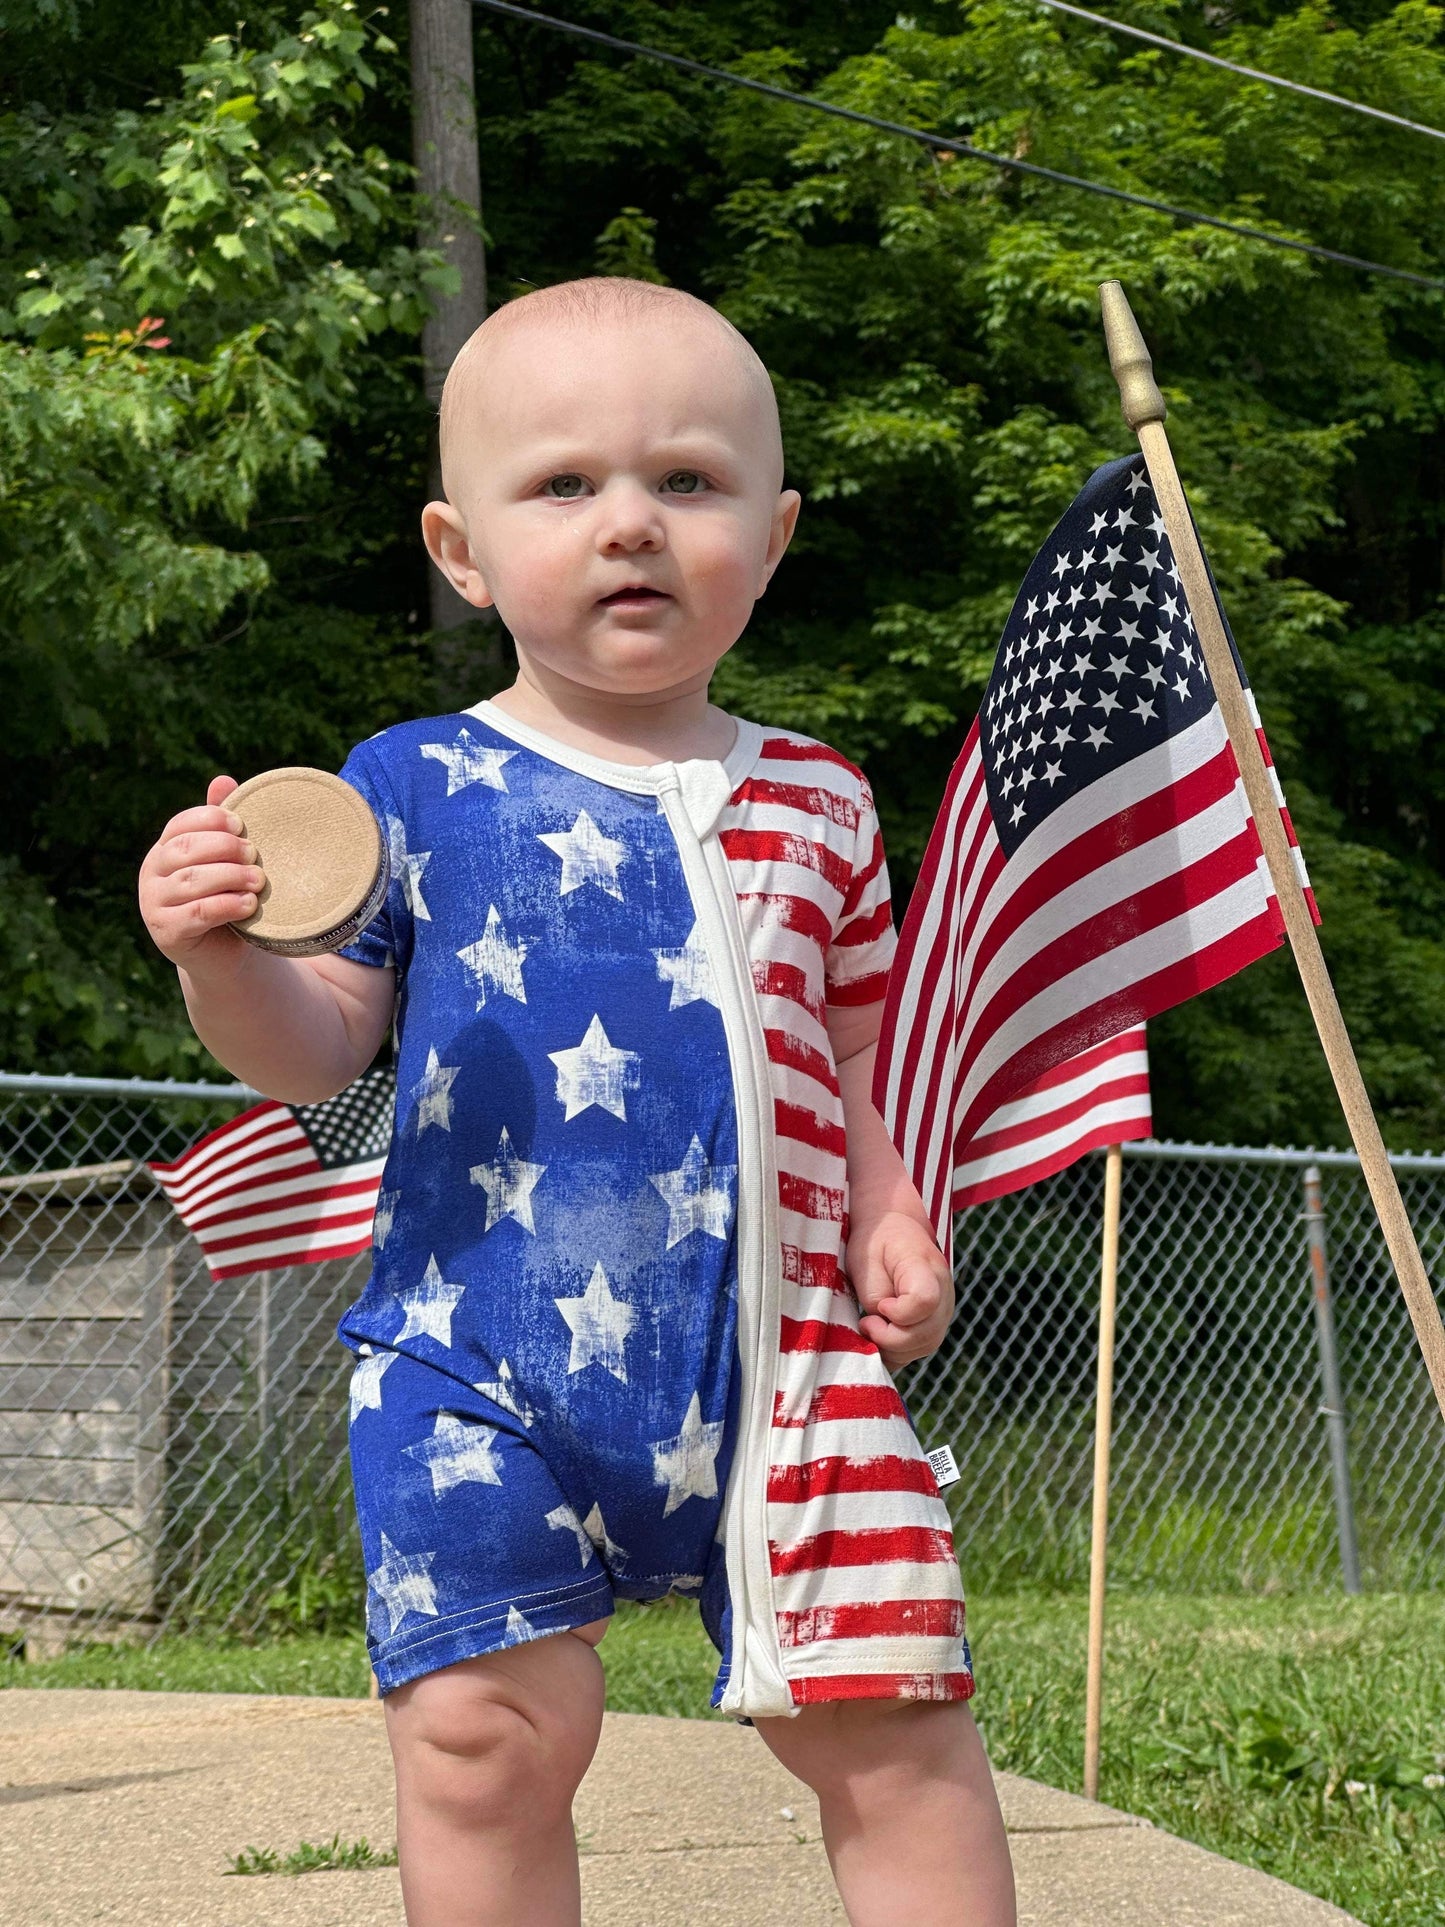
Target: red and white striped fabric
<point>1298,854</point>
<point>1100,1097</point>
<point>865,1582</point>
<point>1094,861</point>
<point>286,1186</point>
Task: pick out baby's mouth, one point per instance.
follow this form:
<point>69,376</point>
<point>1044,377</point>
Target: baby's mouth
<point>637,595</point>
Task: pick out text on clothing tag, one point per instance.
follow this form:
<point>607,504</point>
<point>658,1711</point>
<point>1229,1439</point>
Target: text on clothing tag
<point>945,1466</point>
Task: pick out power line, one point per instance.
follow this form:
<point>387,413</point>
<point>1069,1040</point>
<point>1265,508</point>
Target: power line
<point>963,148</point>
<point>1233,67</point>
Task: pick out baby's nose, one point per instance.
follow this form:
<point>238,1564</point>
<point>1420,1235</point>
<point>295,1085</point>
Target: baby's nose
<point>630,521</point>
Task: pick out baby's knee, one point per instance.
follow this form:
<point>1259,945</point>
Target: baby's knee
<point>486,1752</point>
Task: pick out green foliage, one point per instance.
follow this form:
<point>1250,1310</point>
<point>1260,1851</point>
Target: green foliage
<point>207,547</point>
<point>330,1856</point>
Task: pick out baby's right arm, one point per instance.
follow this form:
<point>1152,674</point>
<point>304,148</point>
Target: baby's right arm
<point>298,1028</point>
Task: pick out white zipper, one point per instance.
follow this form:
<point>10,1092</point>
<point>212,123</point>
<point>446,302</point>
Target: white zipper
<point>756,1684</point>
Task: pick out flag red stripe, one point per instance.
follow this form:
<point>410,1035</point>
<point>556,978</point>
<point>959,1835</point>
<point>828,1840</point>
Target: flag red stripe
<point>881,1618</point>
<point>793,1120</point>
<point>832,1402</point>
<point>315,1254</point>
<point>812,800</point>
<point>220,1132</point>
<point>349,1223</point>
<point>817,1478</point>
<point>810,1690</point>
<point>1133,1005</point>
<point>883,1545</point>
<point>1012,1135</point>
<point>819,1335</point>
<point>1096,936</point>
<point>298,1203</point>
<point>794,1054</point>
<point>778,846</point>
<point>1155,816</point>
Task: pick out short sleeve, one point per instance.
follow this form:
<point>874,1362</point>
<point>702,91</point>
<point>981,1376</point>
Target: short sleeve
<point>377,943</point>
<point>864,939</point>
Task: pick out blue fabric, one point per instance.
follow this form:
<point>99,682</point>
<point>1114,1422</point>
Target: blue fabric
<point>555,1256</point>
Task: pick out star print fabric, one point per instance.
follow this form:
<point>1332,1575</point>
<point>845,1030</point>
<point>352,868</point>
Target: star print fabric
<point>612,1227</point>
<point>544,1405</point>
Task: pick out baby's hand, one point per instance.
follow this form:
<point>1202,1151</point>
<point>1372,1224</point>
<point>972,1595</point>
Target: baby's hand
<point>199,877</point>
<point>903,1285</point>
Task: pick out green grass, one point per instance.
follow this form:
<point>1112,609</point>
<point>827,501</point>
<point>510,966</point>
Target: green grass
<point>1300,1735</point>
<point>357,1856</point>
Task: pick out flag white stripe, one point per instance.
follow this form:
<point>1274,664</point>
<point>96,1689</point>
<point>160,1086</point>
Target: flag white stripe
<point>933,1121</point>
<point>232,1204</point>
<point>1125,788</point>
<point>1174,852</point>
<point>280,1133</point>
<point>1119,1111</point>
<point>300,1158</point>
<point>1116,970</point>
<point>360,1205</point>
<point>227,1138</point>
<point>297,1248</point>
<point>1042,1104</point>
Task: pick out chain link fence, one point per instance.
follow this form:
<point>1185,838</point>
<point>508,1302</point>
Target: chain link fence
<point>173,1450</point>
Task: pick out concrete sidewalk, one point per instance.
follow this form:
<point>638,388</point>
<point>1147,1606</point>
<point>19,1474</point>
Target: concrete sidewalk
<point>126,1808</point>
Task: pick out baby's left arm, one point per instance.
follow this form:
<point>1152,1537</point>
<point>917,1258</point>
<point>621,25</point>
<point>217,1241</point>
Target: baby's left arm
<point>900,1276</point>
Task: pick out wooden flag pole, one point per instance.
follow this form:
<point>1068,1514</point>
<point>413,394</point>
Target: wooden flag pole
<point>1103,1427</point>
<point>1144,411</point>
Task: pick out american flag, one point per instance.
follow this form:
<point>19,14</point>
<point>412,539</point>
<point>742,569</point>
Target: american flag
<point>1100,1097</point>
<point>1094,862</point>
<point>286,1184</point>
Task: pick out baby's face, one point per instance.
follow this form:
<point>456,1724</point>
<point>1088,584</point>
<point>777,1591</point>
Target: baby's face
<point>619,490</point>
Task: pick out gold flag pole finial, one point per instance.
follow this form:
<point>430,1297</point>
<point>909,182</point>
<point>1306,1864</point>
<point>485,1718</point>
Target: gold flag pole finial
<point>1139,395</point>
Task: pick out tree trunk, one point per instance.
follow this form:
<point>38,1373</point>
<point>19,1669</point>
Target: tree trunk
<point>444,145</point>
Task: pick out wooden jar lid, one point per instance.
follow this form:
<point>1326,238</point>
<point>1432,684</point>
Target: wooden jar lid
<point>323,857</point>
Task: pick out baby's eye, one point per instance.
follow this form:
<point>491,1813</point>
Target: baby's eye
<point>685,481</point>
<point>565,488</point>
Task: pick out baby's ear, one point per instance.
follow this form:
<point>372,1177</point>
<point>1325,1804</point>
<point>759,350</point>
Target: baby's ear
<point>450,547</point>
<point>785,520</point>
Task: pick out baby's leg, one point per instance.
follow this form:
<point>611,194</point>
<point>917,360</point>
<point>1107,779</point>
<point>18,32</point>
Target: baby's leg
<point>911,1821</point>
<point>488,1755</point>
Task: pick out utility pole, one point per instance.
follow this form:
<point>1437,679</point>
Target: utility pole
<point>444,147</point>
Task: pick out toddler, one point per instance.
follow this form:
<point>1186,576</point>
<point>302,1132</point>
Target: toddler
<point>645,1257</point>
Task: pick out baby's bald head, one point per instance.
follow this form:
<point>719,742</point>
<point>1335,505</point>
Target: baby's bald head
<point>508,345</point>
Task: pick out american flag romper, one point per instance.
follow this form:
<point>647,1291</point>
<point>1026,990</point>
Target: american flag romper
<point>607,1349</point>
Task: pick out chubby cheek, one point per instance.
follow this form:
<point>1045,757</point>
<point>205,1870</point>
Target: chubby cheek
<point>536,582</point>
<point>721,564</point>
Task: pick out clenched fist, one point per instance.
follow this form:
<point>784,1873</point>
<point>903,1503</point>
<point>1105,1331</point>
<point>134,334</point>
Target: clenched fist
<point>903,1286</point>
<point>200,876</point>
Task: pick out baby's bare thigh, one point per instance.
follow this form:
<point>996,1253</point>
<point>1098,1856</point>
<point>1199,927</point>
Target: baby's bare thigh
<point>512,1726</point>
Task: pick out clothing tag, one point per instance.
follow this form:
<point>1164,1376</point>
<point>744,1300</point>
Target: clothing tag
<point>945,1466</point>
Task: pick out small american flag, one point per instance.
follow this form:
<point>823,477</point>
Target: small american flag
<point>286,1184</point>
<point>1094,862</point>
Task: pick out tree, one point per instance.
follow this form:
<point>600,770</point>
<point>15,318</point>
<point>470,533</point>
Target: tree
<point>444,143</point>
<point>252,578</point>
